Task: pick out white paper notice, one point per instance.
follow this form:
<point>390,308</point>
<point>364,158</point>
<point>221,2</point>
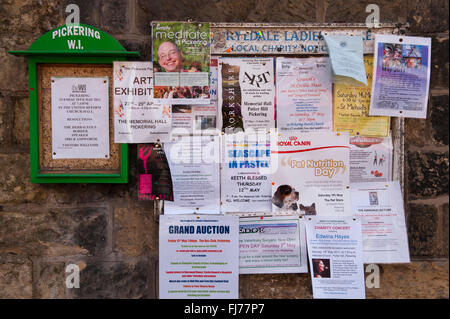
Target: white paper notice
<point>335,257</point>
<point>312,176</point>
<point>246,94</point>
<point>271,245</point>
<point>304,95</point>
<point>80,117</point>
<point>198,257</point>
<point>136,118</point>
<point>245,175</point>
<point>380,207</point>
<point>370,159</point>
<point>194,166</point>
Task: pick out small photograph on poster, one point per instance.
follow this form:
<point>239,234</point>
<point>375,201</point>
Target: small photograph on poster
<point>321,268</point>
<point>181,62</point>
<point>246,94</point>
<point>401,76</point>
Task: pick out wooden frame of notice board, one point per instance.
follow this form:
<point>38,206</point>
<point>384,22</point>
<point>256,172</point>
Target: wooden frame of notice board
<point>72,51</point>
<point>238,39</point>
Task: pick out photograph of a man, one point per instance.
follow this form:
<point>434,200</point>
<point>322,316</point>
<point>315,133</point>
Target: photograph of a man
<point>170,57</point>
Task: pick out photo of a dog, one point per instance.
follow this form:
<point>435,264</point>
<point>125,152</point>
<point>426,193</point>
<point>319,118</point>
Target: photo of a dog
<point>285,198</point>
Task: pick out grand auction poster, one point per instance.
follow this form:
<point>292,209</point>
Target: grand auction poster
<point>401,76</point>
<point>198,257</point>
<point>136,118</point>
<point>246,94</point>
<point>351,109</point>
<point>194,166</point>
<point>380,208</point>
<point>336,257</point>
<point>181,62</point>
<point>198,119</point>
<point>304,94</point>
<point>312,174</point>
<point>270,245</point>
<point>245,174</point>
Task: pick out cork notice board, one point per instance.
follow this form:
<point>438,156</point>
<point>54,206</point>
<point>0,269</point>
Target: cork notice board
<point>48,165</point>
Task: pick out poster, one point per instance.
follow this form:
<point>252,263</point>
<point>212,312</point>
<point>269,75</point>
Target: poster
<point>401,76</point>
<point>198,119</point>
<point>351,109</point>
<point>380,208</point>
<point>272,245</point>
<point>246,94</point>
<point>198,257</point>
<point>370,159</point>
<point>312,174</point>
<point>154,177</point>
<point>245,175</point>
<point>346,55</point>
<point>80,117</point>
<point>181,61</point>
<point>136,118</point>
<point>194,166</point>
<point>304,100</point>
<point>335,257</point>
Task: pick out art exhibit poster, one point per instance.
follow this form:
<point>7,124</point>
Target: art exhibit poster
<point>80,117</point>
<point>272,245</point>
<point>351,109</point>
<point>246,94</point>
<point>136,118</point>
<point>379,205</point>
<point>336,257</point>
<point>194,166</point>
<point>370,159</point>
<point>246,175</point>
<point>198,257</point>
<point>181,62</point>
<point>198,119</point>
<point>312,174</point>
<point>304,94</point>
<point>401,77</point>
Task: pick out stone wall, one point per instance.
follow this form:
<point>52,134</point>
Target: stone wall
<point>114,238</point>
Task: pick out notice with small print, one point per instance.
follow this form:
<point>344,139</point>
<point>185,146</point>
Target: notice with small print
<point>198,257</point>
<point>401,77</point>
<point>335,255</point>
<point>80,117</point>
<point>194,166</point>
<point>304,95</point>
<point>136,118</point>
<point>311,176</point>
<point>370,159</point>
<point>380,207</point>
<point>246,94</point>
<point>245,174</point>
<point>272,245</point>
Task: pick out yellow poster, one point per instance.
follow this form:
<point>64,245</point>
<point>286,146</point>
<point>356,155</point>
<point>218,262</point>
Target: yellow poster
<point>351,109</point>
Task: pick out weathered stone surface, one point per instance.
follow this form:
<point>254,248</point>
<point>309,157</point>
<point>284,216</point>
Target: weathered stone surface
<point>426,16</point>
<point>114,16</point>
<point>15,278</point>
<point>50,281</point>
<point>415,132</point>
<point>136,232</point>
<point>116,279</point>
<point>55,232</point>
<point>355,11</point>
<point>423,231</point>
<point>427,174</point>
<point>439,61</point>
<point>6,116</point>
<point>418,279</point>
<point>89,11</point>
<point>445,230</point>
<point>87,193</point>
<point>15,186</point>
<point>284,286</point>
<point>439,118</point>
<point>142,46</point>
<point>21,130</point>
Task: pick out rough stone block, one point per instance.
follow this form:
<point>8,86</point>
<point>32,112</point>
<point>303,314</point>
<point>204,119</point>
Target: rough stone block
<point>445,230</point>
<point>114,16</point>
<point>6,116</point>
<point>427,174</point>
<point>87,193</point>
<point>355,11</point>
<point>143,47</point>
<point>439,118</point>
<point>423,231</point>
<point>15,278</point>
<point>283,286</point>
<point>439,61</point>
<point>415,132</point>
<point>426,16</point>
<point>50,281</point>
<point>135,229</point>
<point>416,280</point>
<point>131,279</point>
<point>56,232</point>
<point>89,11</point>
<point>21,131</point>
